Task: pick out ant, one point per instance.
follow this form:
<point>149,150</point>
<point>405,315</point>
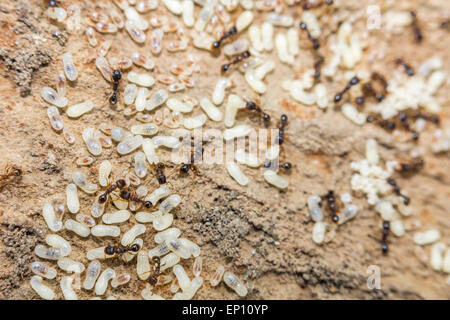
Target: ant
<point>8,172</point>
<point>411,167</point>
<point>407,67</point>
<point>116,75</point>
<point>427,117</point>
<point>315,42</point>
<point>386,226</point>
<point>416,27</point>
<point>353,81</point>
<point>250,105</point>
<point>391,125</point>
<point>130,196</point>
<point>244,55</point>
<point>403,117</point>
<point>393,183</point>
<point>317,65</point>
<point>285,165</point>
<point>280,137</point>
<point>159,172</point>
<point>306,5</point>
<point>369,91</point>
<point>216,44</point>
<point>53,3</point>
<point>119,184</point>
<point>186,166</point>
<point>110,250</point>
<point>153,279</point>
<point>331,203</point>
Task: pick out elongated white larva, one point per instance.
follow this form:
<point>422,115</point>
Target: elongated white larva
<point>353,114</point>
<point>276,180</point>
<point>232,281</point>
<point>131,234</point>
<point>194,122</point>
<point>79,109</point>
<point>446,262</point>
<point>350,211</point>
<point>80,180</point>
<point>55,118</point>
<point>47,253</point>
<point>103,66</point>
<point>159,250</point>
<point>70,265</point>
<point>90,137</point>
<point>372,155</point>
<point>166,141</point>
<point>264,69</point>
<point>140,167</point>
<point>169,261</point>
<point>238,131</point>
<point>119,134</point>
<point>254,33</point>
<point>141,99</point>
<point>176,246</point>
<point>148,129</point>
<point>280,20</point>
<point>163,222</point>
<point>298,93</point>
<point>188,13</point>
<point>179,106</point>
<point>130,93</point>
<point>143,265</point>
<point>313,25</point>
<point>183,279</point>
<point>43,270</point>
<point>174,6</point>
<point>255,84</point>
<point>69,67</point>
<point>73,204</point>
<point>236,173</point>
<point>116,217</point>
<point>318,234</point>
<point>52,221</point>
<point>130,144</point>
<point>41,289</point>
<point>191,246</point>
<point>211,110</point>
<point>157,99</point>
<point>427,237</point>
<point>281,45</point>
<point>171,233</point>
<point>149,149</point>
<point>219,90</point>
<point>52,97</point>
<point>233,105</point>
<point>236,47</point>
<point>244,20</point>
<point>292,38</point>
<point>267,35</point>
<point>104,171</point>
<point>92,273</point>
<point>386,210</point>
<point>141,79</point>
<point>102,283</point>
<point>189,293</point>
<point>105,231</point>
<point>97,253</point>
<point>158,194</point>
<point>436,256</point>
<point>217,276</point>
<point>56,241</point>
<point>168,204</point>
<point>132,14</point>
<point>205,14</point>
<point>77,227</point>
<point>322,98</point>
<point>248,159</point>
<point>314,207</point>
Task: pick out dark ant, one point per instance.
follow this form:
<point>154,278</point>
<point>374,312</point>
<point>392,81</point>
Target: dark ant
<point>331,204</point>
<point>386,227</point>
<point>369,91</point>
<point>250,105</point>
<point>391,125</point>
<point>315,42</point>
<point>285,165</point>
<point>8,172</point>
<point>280,137</point>
<point>216,44</point>
<point>317,65</point>
<point>306,5</point>
<point>393,183</point>
<point>153,279</point>
<point>353,81</point>
<point>119,184</point>
<point>244,55</point>
<point>159,173</point>
<point>444,24</point>
<point>191,165</point>
<point>53,3</point>
<point>427,117</point>
<point>403,117</point>
<point>416,27</point>
<point>129,196</point>
<point>407,67</point>
<point>411,167</point>
<point>110,250</point>
<point>116,75</point>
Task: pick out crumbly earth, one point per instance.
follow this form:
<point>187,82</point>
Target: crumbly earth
<point>261,234</point>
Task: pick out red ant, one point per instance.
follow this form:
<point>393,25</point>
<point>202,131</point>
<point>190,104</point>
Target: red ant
<point>110,250</point>
<point>119,184</point>
<point>154,276</point>
<point>131,196</point>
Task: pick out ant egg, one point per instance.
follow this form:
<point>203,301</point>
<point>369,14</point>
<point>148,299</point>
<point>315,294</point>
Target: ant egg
<point>120,280</point>
<point>104,171</point>
<point>159,250</point>
<point>248,159</point>
<point>238,131</point>
<point>69,68</point>
<point>77,227</point>
<point>97,253</point>
<point>281,45</point>
<point>232,281</point>
<point>426,237</point>
<point>169,261</point>
<point>103,66</point>
<point>166,141</point>
<point>90,137</point>
<point>211,110</point>
<point>140,167</point>
<point>274,179</point>
<point>236,173</point>
<point>157,99</point>
<point>116,217</point>
<point>47,253</point>
<point>188,13</point>
<point>318,234</point>
<point>135,33</point>
<point>236,47</point>
<point>61,84</point>
<point>171,233</point>
<point>92,273</point>
<point>102,282</point>
<point>57,13</point>
<point>169,203</point>
<point>352,114</point>
<point>156,41</point>
<point>254,83</point>
<point>197,266</point>
<point>183,279</point>
<point>70,266</point>
<point>163,222</point>
<point>219,90</point>
<point>141,79</point>
<point>70,139</point>
<point>53,223</point>
<point>58,242</point>
<point>52,97</point>
<point>314,207</point>
<point>217,276</point>
<point>41,289</point>
<point>130,144</point>
<point>142,61</point>
<point>104,48</point>
<point>84,161</point>
<point>101,230</point>
<point>348,213</point>
<point>43,270</point>
<point>397,228</point>
<point>73,204</point>
<point>144,129</point>
<point>131,234</point>
<point>160,193</point>
<point>436,256</point>
<point>86,220</point>
<point>194,122</point>
<point>80,180</point>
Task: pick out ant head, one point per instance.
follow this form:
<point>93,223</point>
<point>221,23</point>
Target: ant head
<point>266,117</point>
<point>225,68</point>
<point>335,219</point>
<point>284,118</point>
<point>153,280</point>
<point>303,25</point>
<point>184,168</point>
<point>384,248</point>
<point>215,45</point>
<point>109,250</point>
<point>386,225</point>
<point>121,183</point>
<point>246,54</point>
<point>156,259</point>
<point>135,247</point>
<point>147,204</point>
<point>102,198</point>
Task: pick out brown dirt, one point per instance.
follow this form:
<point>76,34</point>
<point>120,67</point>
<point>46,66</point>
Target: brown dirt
<point>258,232</point>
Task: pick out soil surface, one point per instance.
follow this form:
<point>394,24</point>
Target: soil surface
<point>261,234</point>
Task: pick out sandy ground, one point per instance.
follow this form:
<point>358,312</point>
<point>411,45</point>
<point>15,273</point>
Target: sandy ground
<point>258,232</point>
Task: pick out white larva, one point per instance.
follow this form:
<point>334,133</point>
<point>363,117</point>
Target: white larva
<point>70,265</point>
<point>119,280</point>
<point>119,134</point>
<point>318,234</point>
<point>386,210</point>
<point>158,194</point>
<point>297,93</point>
<point>169,261</point>
<point>314,207</point>
<point>57,13</point>
<point>80,180</point>
<point>53,222</point>
<point>249,159</point>
<point>238,131</point>
<point>430,65</point>
<point>197,266</point>
<point>41,289</point>
<point>97,208</point>
<point>190,292</point>
<point>232,281</point>
<point>183,279</point>
<point>66,288</point>
<point>353,114</point>
<point>273,152</point>
<point>264,69</point>
<point>47,253</point>
<point>349,212</point>
<point>143,265</point>
<point>202,40</point>
<point>52,97</point>
<point>322,98</point>
<point>102,282</point>
<point>132,14</point>
<point>105,231</point>
<point>43,270</point>
<point>236,173</point>
<point>97,253</point>
<point>77,110</point>
<point>211,110</point>
<point>280,20</point>
<point>427,237</point>
<point>372,151</point>
<point>205,14</point>
<point>276,180</point>
<point>149,149</point>
<point>141,79</point>
<point>104,171</point>
<point>166,141</point>
<point>217,276</point>
<point>194,122</point>
<point>157,99</point>
<point>130,93</point>
<point>90,137</point>
<point>281,45</point>
<point>163,222</point>
<point>436,256</point>
<point>169,203</point>
<point>292,39</point>
<point>171,233</point>
<point>267,35</point>
<point>313,25</point>
<point>77,227</point>
<point>132,234</point>
<point>254,33</point>
<point>219,90</point>
<point>116,217</point>
<point>130,144</point>
<point>244,20</point>
<point>254,82</point>
<point>179,106</point>
<point>56,241</point>
<point>397,228</point>
<point>55,118</point>
<point>188,13</point>
<point>134,31</point>
<point>446,262</point>
<point>236,47</point>
<point>174,6</point>
<point>69,67</point>
<point>140,167</point>
<point>191,246</point>
<point>73,204</point>
<point>148,129</point>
